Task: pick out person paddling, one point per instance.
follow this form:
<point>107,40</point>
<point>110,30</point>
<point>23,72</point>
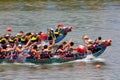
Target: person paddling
<point>58,31</point>
<point>48,50</point>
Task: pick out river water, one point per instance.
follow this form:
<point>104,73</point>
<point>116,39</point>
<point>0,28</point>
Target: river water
<point>89,17</point>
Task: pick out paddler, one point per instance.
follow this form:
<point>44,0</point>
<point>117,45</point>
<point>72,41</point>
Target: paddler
<point>12,41</point>
<point>3,40</point>
<point>58,31</point>
<point>23,40</point>
<point>48,50</point>
<point>34,38</point>
<point>51,34</point>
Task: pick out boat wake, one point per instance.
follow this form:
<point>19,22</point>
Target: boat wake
<point>88,59</point>
<point>19,64</point>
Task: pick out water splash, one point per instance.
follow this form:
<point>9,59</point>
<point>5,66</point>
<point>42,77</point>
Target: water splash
<point>90,59</point>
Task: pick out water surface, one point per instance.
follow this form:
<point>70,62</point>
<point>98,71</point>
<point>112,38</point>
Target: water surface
<point>89,17</point>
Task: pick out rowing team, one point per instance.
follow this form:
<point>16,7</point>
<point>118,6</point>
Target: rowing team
<point>35,50</point>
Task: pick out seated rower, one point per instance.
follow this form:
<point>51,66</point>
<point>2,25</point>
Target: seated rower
<point>3,51</point>
<point>9,51</point>
<point>85,39</point>
<point>70,50</point>
<point>33,52</point>
<point>12,41</point>
<point>47,50</point>
<point>62,49</point>
<point>33,40</point>
<point>88,44</point>
<point>89,47</point>
<point>51,35</point>
<point>18,51</point>
<point>23,40</point>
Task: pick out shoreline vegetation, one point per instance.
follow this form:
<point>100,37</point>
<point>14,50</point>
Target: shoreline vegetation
<point>58,4</point>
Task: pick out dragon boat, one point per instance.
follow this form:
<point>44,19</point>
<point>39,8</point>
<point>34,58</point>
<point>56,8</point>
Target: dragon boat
<point>56,59</point>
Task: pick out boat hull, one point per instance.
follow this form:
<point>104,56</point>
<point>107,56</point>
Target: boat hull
<point>60,38</point>
<point>51,60</point>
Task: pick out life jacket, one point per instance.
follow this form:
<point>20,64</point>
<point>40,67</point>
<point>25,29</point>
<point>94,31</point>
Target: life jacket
<point>34,39</point>
<point>1,40</point>
<point>11,40</point>
<point>28,37</point>
<point>52,35</point>
<point>57,31</point>
<point>23,40</point>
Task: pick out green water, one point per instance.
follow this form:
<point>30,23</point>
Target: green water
<point>89,17</point>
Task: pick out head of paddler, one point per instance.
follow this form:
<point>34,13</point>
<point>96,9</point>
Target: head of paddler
<point>6,36</point>
<point>85,37</point>
<point>21,33</point>
<point>60,26</point>
<point>51,30</point>
<point>60,47</point>
<point>35,47</point>
<point>71,43</point>
<point>45,46</point>
<point>39,33</point>
<point>64,43</point>
<point>35,35</point>
<point>29,33</point>
<point>99,38</point>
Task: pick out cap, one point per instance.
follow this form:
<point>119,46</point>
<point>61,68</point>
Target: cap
<point>51,29</point>
<point>9,29</point>
<point>89,40</point>
<point>60,25</point>
<point>8,45</point>
<point>109,40</point>
<point>19,45</point>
